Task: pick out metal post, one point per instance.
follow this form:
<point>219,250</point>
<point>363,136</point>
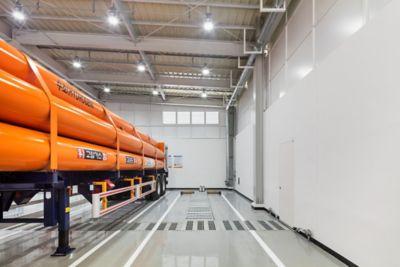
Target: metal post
<point>259,87</point>
<point>96,205</point>
<point>230,133</point>
<point>63,209</point>
<point>1,205</point>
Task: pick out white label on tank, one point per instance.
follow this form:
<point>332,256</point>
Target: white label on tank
<point>149,163</point>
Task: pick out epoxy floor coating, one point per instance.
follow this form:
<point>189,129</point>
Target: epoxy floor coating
<point>196,230</point>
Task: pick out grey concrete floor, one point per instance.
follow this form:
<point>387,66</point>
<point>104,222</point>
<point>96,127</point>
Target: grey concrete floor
<point>200,230</point>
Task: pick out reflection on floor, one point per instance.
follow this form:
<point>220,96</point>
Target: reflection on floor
<point>198,230</point>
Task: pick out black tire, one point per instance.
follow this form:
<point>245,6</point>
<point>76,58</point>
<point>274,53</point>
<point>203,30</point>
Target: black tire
<point>163,184</point>
<point>156,194</point>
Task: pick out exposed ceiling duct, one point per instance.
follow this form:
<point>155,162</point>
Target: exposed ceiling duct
<point>268,28</point>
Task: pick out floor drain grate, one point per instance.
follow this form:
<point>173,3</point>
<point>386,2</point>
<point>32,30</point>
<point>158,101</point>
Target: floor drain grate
<point>199,213</point>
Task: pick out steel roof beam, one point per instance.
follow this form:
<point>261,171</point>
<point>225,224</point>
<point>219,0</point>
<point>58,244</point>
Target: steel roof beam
<point>198,3</point>
<point>117,62</point>
<point>95,41</point>
<point>138,79</point>
<point>135,22</point>
<point>123,10</point>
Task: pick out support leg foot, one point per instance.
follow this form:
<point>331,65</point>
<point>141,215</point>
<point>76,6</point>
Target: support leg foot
<point>63,248</point>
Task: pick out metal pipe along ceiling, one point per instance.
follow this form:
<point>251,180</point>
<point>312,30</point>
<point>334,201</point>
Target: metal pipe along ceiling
<point>270,25</point>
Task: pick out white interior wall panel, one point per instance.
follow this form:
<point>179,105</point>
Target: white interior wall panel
<point>299,26</point>
<point>300,63</point>
<point>375,6</point>
<point>322,7</point>
<point>245,162</point>
<point>184,132</point>
<point>278,54</point>
<point>203,147</point>
<point>278,85</point>
<point>344,122</point>
<point>204,162</point>
<point>244,143</point>
<point>342,20</point>
<point>300,46</point>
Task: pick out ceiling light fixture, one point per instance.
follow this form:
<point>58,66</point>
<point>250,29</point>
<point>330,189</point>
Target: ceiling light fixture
<point>205,70</point>
<point>18,12</point>
<point>112,18</point>
<point>204,94</point>
<point>155,92</point>
<point>76,63</point>
<point>208,23</point>
<point>141,67</point>
<point>107,89</point>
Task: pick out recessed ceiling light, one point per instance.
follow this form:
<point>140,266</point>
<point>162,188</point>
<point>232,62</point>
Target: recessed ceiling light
<point>107,89</point>
<point>141,67</point>
<point>76,63</point>
<point>204,94</point>
<point>155,92</point>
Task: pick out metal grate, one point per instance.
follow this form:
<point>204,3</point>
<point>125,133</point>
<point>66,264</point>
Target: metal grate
<point>199,213</point>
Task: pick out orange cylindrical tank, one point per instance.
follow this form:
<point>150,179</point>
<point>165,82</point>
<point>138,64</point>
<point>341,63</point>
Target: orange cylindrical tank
<point>14,62</point>
<point>28,106</point>
<point>159,164</point>
<point>146,138</point>
<point>28,150</point>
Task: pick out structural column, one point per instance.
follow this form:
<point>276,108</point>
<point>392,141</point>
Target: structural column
<point>230,133</point>
<point>258,97</point>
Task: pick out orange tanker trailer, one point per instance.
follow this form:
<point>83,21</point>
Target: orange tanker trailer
<point>53,137</point>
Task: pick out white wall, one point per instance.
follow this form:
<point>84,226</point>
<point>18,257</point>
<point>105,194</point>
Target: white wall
<point>312,32</point>
<point>203,146</point>
<point>244,143</point>
<point>344,120</point>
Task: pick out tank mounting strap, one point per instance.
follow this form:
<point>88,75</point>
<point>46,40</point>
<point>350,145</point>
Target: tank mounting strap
<point>109,117</point>
<point>53,115</point>
<point>143,159</point>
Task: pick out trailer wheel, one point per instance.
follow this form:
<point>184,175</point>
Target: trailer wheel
<point>163,184</point>
<point>156,194</point>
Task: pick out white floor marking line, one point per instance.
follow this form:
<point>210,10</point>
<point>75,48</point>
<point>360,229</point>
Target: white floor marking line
<point>99,245</point>
<point>259,240</point>
<point>140,248</point>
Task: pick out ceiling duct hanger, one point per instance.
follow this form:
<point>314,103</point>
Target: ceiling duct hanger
<point>248,52</point>
<point>272,9</point>
<point>231,81</point>
<point>245,66</point>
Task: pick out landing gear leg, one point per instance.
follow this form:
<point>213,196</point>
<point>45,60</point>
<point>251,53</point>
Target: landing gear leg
<point>63,210</point>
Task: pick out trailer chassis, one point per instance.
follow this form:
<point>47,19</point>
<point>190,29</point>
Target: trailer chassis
<point>22,186</point>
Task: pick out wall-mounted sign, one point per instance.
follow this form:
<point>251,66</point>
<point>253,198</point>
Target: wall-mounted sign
<point>178,161</point>
<point>170,161</point>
